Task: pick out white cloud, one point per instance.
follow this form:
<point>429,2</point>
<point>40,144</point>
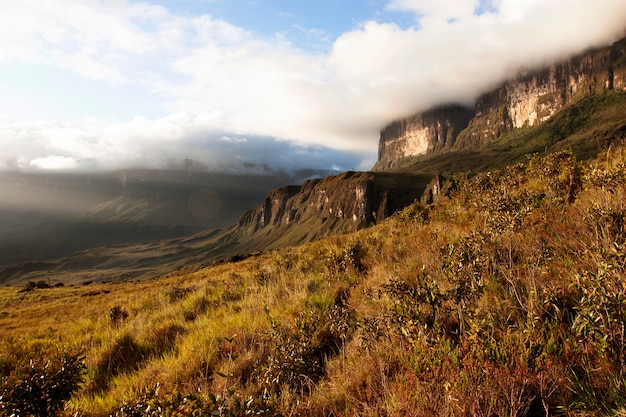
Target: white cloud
<point>85,65</point>
<point>73,34</point>
<point>233,139</point>
<point>97,145</point>
<point>54,162</point>
<point>216,80</point>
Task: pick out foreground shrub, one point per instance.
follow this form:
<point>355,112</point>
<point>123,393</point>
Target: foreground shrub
<point>298,359</point>
<point>151,404</point>
<point>41,388</point>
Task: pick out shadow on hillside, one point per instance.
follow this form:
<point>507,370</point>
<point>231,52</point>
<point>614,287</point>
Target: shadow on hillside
<point>128,355</point>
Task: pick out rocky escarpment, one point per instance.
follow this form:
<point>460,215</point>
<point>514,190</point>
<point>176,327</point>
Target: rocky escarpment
<point>533,98</point>
<point>340,203</point>
<point>422,133</point>
<point>529,99</point>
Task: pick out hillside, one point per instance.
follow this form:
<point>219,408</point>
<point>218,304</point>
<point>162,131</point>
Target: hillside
<point>504,298</point>
<point>79,211</point>
<point>289,216</point>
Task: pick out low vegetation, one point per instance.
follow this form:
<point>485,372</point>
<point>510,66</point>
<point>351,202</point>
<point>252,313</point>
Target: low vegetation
<point>505,298</point>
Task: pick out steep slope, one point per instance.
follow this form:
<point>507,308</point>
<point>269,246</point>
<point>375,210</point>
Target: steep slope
<point>423,133</point>
<point>585,127</point>
<point>329,206</point>
<point>534,97</point>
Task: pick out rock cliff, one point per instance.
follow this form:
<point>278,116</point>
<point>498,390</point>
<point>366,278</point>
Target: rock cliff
<point>337,204</point>
<point>528,99</point>
<point>422,133</point>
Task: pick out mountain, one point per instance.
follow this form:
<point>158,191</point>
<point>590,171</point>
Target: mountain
<point>288,216</point>
<point>575,105</point>
<point>44,216</point>
<point>338,204</point>
<point>424,133</point>
<point>530,99</point>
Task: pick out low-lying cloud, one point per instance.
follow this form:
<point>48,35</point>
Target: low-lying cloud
<point>169,142</point>
<point>231,97</point>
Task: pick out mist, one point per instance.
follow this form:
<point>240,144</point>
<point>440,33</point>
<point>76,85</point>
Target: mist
<point>170,142</point>
<point>152,87</point>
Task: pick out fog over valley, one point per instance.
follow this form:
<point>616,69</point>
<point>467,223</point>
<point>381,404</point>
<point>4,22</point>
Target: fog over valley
<point>44,216</point>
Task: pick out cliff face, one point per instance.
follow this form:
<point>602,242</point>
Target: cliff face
<point>341,203</point>
<point>422,133</point>
<point>527,100</point>
<point>533,98</point>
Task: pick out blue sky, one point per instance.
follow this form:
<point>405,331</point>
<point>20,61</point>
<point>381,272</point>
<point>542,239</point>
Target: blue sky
<point>110,84</point>
<point>313,23</point>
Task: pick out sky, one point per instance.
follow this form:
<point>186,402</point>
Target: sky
<point>286,84</point>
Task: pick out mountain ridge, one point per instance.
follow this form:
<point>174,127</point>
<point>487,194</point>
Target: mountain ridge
<point>525,100</point>
<point>586,122</point>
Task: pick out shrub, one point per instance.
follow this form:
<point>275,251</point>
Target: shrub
<point>178,293</point>
<point>561,172</point>
<point>415,213</point>
<point>298,358</point>
<point>122,356</point>
<point>151,404</point>
<point>41,388</point>
<point>117,315</point>
<point>31,285</point>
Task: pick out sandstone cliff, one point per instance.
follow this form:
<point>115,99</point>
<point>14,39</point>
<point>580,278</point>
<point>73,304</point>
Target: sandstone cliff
<point>422,133</point>
<point>529,99</point>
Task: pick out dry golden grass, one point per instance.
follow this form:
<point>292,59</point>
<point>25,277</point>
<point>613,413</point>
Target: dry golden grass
<point>506,298</point>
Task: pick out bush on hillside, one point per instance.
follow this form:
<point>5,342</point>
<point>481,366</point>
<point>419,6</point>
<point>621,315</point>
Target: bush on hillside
<point>41,388</point>
<point>151,404</point>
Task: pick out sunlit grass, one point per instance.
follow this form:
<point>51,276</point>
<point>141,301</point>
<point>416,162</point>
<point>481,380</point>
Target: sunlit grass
<point>504,298</point>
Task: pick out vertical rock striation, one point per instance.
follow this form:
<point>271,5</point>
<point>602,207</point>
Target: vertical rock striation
<point>423,133</point>
<point>344,203</point>
<point>527,100</point>
<point>533,97</point>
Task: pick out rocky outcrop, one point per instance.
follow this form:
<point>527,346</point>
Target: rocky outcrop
<point>347,201</point>
<point>527,100</point>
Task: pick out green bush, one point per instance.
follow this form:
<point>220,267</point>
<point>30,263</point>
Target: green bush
<point>298,359</point>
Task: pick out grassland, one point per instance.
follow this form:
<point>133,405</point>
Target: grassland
<point>506,297</point>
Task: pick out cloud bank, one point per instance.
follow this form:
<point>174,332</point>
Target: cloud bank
<point>225,95</point>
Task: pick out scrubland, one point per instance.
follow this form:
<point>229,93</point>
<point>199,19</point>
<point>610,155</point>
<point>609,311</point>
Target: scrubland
<point>507,297</point>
